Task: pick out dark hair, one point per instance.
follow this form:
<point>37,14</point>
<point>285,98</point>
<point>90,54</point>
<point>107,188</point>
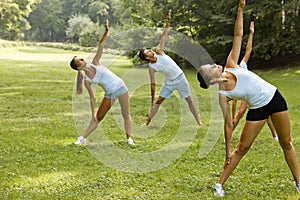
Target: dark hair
<point>204,84</point>
<point>73,64</point>
<point>142,55</point>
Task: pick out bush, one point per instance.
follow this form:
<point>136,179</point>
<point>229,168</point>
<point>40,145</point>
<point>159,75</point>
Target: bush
<point>90,36</point>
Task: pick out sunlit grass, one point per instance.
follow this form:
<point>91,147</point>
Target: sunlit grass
<point>37,129</point>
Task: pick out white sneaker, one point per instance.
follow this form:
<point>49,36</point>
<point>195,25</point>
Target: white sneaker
<point>275,138</point>
<point>130,141</point>
<point>218,190</point>
<point>80,141</point>
<point>143,125</point>
<point>297,187</point>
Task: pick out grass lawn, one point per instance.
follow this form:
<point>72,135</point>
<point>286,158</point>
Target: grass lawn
<point>41,117</point>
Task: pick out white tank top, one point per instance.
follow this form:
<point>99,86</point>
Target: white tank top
<point>166,65</point>
<point>249,87</point>
<point>106,79</point>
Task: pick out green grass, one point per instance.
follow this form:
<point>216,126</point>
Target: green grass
<point>38,127</point>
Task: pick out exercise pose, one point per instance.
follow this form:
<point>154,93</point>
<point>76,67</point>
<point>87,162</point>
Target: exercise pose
<point>113,86</point>
<point>263,100</point>
<point>175,79</point>
<point>243,105</point>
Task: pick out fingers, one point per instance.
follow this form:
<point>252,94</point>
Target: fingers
<point>106,24</point>
<point>242,3</point>
<point>169,14</point>
<point>252,26</point>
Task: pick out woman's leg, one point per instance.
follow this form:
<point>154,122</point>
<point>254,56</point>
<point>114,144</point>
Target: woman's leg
<point>154,109</point>
<point>193,109</point>
<point>281,122</point>
<point>124,103</point>
<point>233,109</point>
<point>272,128</point>
<point>249,133</point>
<point>102,110</point>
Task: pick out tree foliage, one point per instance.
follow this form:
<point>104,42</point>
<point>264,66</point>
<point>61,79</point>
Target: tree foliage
<point>76,25</point>
<point>47,22</point>
<point>13,14</point>
<point>277,22</point>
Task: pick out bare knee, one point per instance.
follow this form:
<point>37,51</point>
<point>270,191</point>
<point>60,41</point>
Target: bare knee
<point>159,100</point>
<point>286,145</point>
<point>126,115</point>
<point>189,100</point>
<point>242,149</point>
<point>241,112</point>
<point>100,118</point>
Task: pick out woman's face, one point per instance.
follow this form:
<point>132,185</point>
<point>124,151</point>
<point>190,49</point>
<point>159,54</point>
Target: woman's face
<point>148,53</point>
<point>80,63</point>
<point>212,71</point>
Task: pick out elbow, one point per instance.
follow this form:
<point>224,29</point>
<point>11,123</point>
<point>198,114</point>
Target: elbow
<point>238,34</point>
<point>240,113</point>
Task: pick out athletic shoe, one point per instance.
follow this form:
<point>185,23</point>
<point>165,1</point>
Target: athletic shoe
<point>297,187</point>
<point>143,125</point>
<point>275,138</point>
<point>130,141</point>
<point>81,141</point>
<point>218,191</point>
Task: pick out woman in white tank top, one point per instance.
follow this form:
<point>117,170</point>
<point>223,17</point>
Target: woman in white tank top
<point>175,79</point>
<point>113,86</point>
<point>243,105</point>
<point>263,100</point>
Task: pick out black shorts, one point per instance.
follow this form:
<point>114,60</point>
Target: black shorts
<point>277,104</point>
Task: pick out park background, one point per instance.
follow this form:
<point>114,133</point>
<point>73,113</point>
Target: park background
<point>210,23</point>
<point>38,38</point>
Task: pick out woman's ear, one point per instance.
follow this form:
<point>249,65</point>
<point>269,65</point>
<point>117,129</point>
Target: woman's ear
<point>212,81</point>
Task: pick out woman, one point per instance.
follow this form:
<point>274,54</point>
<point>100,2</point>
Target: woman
<point>113,86</point>
<point>243,105</point>
<point>159,61</point>
<point>263,100</point>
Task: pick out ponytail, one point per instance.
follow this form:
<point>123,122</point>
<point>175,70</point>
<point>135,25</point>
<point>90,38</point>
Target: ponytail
<point>79,82</point>
<point>203,83</point>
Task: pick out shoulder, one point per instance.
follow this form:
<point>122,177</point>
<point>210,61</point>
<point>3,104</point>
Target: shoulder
<point>159,51</point>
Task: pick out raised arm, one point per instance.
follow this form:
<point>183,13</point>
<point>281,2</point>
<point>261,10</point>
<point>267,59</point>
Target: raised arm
<point>99,52</point>
<point>249,43</point>
<point>232,59</point>
<point>163,39</point>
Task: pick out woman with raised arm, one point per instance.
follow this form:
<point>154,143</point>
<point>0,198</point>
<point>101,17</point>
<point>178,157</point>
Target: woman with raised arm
<point>263,100</point>
<point>243,105</point>
<point>113,86</point>
<point>175,78</point>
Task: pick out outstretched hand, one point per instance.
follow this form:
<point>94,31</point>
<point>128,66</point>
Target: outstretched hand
<point>169,15</point>
<point>252,27</point>
<point>242,3</point>
<point>106,25</point>
<point>227,160</point>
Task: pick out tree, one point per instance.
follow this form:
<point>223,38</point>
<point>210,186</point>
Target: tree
<point>97,10</point>
<point>47,21</point>
<point>76,26</point>
<point>13,18</point>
